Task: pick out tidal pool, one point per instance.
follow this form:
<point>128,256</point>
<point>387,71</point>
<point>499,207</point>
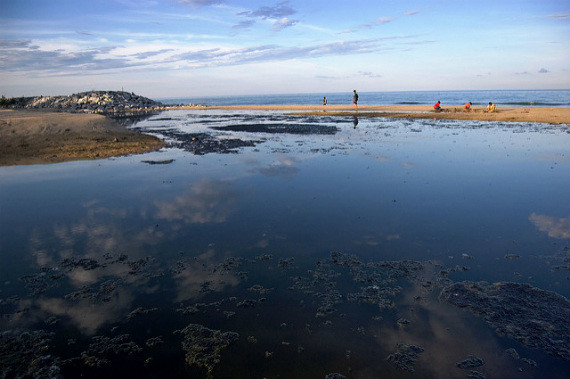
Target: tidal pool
<point>264,244</point>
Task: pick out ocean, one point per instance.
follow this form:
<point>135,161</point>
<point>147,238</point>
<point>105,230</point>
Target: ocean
<point>538,98</point>
<point>261,244</point>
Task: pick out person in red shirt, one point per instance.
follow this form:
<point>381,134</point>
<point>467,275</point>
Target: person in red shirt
<point>467,106</point>
<point>437,106</point>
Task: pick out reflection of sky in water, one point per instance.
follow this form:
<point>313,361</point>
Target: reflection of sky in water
<point>206,202</point>
<point>455,193</point>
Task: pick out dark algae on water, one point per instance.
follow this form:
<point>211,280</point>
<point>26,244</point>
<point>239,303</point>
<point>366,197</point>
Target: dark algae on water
<point>214,258</point>
<point>534,317</point>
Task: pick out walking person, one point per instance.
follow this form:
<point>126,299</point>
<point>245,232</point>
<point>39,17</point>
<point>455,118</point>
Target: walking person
<point>355,99</point>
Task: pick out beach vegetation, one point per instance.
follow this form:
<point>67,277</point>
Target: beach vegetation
<point>14,102</point>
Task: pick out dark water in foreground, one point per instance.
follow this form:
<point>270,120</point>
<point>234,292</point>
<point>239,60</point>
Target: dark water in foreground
<point>304,255</point>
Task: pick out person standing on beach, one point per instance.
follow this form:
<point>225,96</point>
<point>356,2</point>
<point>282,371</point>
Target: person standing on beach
<point>324,101</point>
<point>355,99</point>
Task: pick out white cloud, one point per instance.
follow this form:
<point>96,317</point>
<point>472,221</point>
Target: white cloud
<point>200,3</point>
<point>384,20</point>
<point>284,23</point>
<point>244,24</point>
<point>278,11</point>
<point>369,74</point>
<point>277,14</point>
<point>49,59</point>
<point>560,16</point>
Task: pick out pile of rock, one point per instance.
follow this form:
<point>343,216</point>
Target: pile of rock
<point>114,103</point>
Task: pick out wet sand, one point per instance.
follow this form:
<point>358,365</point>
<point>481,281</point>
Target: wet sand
<point>37,137</point>
<point>509,114</point>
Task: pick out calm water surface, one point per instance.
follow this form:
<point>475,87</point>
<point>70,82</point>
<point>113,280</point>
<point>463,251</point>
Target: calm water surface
<point>538,98</point>
<point>117,257</point>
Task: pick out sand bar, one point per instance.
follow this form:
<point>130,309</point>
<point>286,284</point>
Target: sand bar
<point>509,114</point>
<point>36,137</point>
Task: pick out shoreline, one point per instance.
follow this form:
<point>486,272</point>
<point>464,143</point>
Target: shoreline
<point>45,136</point>
<point>42,137</point>
<point>452,112</point>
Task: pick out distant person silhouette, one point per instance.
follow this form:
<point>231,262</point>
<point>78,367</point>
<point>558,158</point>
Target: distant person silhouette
<point>355,99</point>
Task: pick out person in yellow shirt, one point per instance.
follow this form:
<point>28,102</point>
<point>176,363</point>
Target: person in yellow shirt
<point>491,107</point>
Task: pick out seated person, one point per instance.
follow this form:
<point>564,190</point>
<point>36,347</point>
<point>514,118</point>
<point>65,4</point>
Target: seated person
<point>437,106</point>
<point>491,107</point>
<point>467,106</point>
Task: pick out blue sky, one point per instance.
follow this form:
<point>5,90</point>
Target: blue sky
<point>174,48</point>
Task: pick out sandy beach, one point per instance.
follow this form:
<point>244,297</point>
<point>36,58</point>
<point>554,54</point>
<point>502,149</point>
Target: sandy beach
<point>36,137</point>
<point>509,114</point>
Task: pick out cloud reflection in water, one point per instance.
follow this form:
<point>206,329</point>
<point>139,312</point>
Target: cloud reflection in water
<point>199,277</point>
<point>87,315</point>
<point>555,227</point>
<point>207,201</point>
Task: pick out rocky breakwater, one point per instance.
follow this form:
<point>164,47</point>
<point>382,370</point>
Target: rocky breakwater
<point>111,103</point>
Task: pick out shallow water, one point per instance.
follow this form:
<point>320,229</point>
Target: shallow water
<point>241,241</point>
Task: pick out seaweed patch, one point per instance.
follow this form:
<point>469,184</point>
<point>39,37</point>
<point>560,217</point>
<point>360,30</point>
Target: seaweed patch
<point>203,346</point>
<point>534,317</point>
<point>405,356</point>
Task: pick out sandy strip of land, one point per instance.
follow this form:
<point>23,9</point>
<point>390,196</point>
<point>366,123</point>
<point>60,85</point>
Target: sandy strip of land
<point>509,114</point>
<point>36,137</point>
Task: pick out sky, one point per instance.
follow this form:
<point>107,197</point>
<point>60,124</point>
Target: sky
<point>193,48</point>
